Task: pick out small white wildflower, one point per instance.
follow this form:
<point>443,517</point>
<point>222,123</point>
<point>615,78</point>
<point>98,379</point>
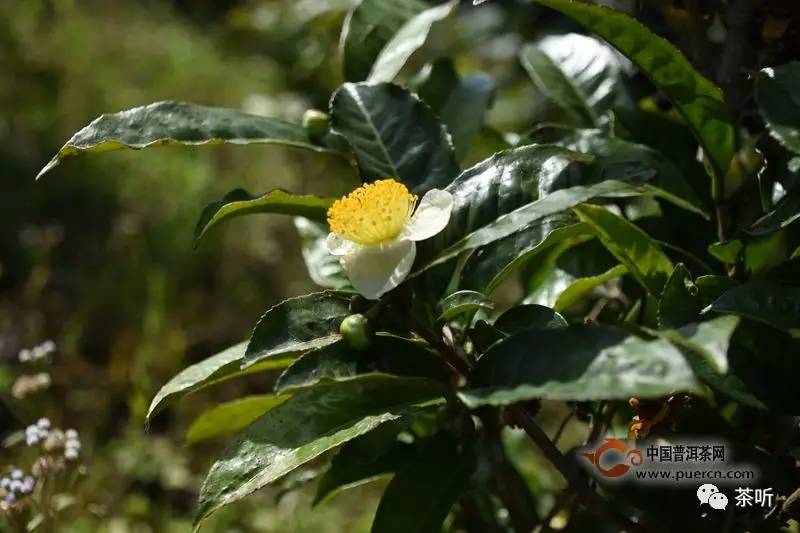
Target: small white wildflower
<point>16,474</point>
<point>24,355</point>
<point>71,434</point>
<point>374,231</point>
<point>70,454</point>
<point>4,482</point>
<point>48,346</point>
<point>11,497</point>
<point>43,423</point>
<point>32,439</point>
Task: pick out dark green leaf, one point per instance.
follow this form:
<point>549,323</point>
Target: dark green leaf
<point>323,267</point>
<point>230,417</point>
<point>490,265</point>
<point>699,101</point>
<point>435,83</point>
<point>581,286</point>
<point>578,363</point>
<point>709,288</point>
<point>461,302</point>
<point>395,135</point>
<point>464,110</point>
<point>311,422</point>
<point>679,303</point>
<point>408,39</point>
<point>763,301</point>
<point>786,211</point>
<point>529,316</point>
<point>298,325</point>
<point>366,30</point>
<point>338,362</point>
<point>364,459</point>
<point>239,202</point>
<point>225,365</point>
<point>180,123</point>
<point>776,92</point>
<point>630,245</point>
<point>420,495</point>
<point>580,73</point>
<point>669,181</point>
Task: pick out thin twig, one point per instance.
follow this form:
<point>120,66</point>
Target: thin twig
<point>570,472</point>
<point>563,426</point>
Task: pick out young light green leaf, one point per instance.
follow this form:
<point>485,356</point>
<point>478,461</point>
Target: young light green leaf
<point>776,93</point>
<point>298,325</point>
<point>763,301</point>
<point>220,367</point>
<point>727,252</point>
<point>311,422</point>
<point>394,135</point>
<point>323,267</point>
<point>630,245</point>
<point>461,302</point>
<point>581,286</point>
<point>239,202</point>
<point>580,363</point>
<point>167,123</point>
<point>698,100</point>
<point>230,417</point>
<point>419,497</point>
<point>369,25</point>
<point>406,41</point>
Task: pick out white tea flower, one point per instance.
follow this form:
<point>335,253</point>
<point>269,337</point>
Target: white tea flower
<point>374,230</point>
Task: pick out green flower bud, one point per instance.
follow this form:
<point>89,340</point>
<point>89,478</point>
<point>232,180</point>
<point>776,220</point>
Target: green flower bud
<point>316,123</point>
<point>355,331</point>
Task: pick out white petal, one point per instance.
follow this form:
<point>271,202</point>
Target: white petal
<point>375,270</point>
<point>338,246</point>
<point>431,216</point>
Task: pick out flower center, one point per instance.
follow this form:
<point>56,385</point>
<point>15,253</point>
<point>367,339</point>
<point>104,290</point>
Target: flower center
<point>373,213</point>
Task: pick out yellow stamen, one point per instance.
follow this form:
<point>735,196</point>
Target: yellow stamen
<point>373,213</point>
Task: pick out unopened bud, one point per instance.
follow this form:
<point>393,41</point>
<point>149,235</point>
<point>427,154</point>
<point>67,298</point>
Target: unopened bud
<point>316,123</point>
<point>355,331</point>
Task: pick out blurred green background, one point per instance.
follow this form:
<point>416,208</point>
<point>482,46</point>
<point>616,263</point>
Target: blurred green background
<point>98,256</point>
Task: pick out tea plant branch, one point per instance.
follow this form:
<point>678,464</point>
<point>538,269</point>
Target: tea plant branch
<point>570,472</point>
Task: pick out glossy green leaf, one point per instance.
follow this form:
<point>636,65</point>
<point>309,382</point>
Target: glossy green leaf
<point>699,101</point>
<point>461,302</point>
<point>364,459</point>
<point>220,367</point>
<point>323,267</point>
<point>419,497</point>
<point>727,252</point>
<point>579,363</point>
<point>298,325</point>
<point>711,287</point>
<point>311,422</point>
<point>527,317</point>
<point>643,258</point>
<point>776,92</point>
<point>465,109</point>
<point>669,182</point>
<point>368,27</point>
<point>786,211</point>
<point>395,135</point>
<point>387,354</point>
<point>435,83</point>
<point>164,123</point>
<point>230,417</point>
<point>763,301</point>
<point>581,286</point>
<point>239,202</point>
<point>679,303</point>
<point>490,265</point>
<point>580,73</point>
<point>408,39</point>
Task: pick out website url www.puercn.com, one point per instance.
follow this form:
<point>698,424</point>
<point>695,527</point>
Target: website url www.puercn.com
<point>686,475</point>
